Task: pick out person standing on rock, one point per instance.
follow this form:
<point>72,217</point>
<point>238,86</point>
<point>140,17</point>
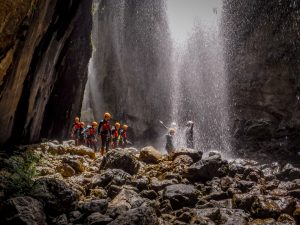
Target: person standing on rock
<point>82,136</point>
<point>104,131</point>
<point>75,130</point>
<point>169,144</point>
<point>115,135</point>
<point>91,136</point>
<point>123,136</point>
<point>189,134</point>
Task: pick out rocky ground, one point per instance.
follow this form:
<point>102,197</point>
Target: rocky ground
<point>74,185</point>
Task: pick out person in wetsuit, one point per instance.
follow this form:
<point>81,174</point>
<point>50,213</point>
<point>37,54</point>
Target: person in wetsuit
<point>189,134</point>
<point>75,131</point>
<point>91,134</point>
<point>123,136</point>
<point>115,135</point>
<point>104,131</point>
<point>82,135</point>
<point>169,138</point>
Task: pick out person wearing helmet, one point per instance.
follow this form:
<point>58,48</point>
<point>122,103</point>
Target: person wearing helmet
<point>75,130</point>
<point>189,134</point>
<point>104,131</point>
<point>123,136</point>
<point>82,135</point>
<point>91,136</point>
<point>169,144</point>
<point>115,135</point>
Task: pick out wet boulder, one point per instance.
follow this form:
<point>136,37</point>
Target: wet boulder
<point>150,155</point>
<point>76,164</point>
<point>97,218</point>
<point>272,206</point>
<point>207,169</point>
<point>65,170</point>
<point>23,210</point>
<point>227,216</point>
<point>143,215</point>
<point>121,160</point>
<point>196,155</point>
<point>94,205</point>
<point>181,195</point>
<point>126,199</point>
<point>56,195</point>
<point>109,177</point>
<point>289,173</point>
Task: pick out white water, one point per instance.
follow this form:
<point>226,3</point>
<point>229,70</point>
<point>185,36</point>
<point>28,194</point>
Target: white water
<point>198,75</point>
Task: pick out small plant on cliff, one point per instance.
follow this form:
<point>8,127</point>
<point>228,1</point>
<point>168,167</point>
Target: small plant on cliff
<point>17,180</point>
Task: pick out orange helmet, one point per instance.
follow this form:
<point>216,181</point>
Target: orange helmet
<point>94,124</point>
<point>117,125</point>
<point>107,115</point>
<point>77,119</point>
<point>82,123</point>
<point>125,127</point>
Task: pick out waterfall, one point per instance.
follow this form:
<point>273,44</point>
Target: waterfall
<point>198,77</point>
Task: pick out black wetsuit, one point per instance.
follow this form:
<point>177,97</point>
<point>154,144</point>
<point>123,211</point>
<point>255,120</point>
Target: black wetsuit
<point>115,137</point>
<point>91,138</point>
<point>105,133</point>
<point>189,135</point>
<point>169,144</point>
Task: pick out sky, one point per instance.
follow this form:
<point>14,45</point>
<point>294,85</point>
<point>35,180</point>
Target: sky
<point>183,14</point>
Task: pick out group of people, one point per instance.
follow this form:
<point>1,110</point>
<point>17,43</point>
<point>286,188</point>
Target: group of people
<point>189,136</point>
<point>114,136</point>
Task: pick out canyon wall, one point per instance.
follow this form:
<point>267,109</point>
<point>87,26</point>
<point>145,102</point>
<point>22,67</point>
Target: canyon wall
<point>44,50</point>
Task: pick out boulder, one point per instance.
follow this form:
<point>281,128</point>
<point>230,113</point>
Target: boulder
<point>23,210</point>
<point>139,216</point>
<point>150,155</point>
<point>196,155</point>
<point>65,170</point>
<point>121,160</point>
<point>60,220</point>
<point>97,219</point>
<point>109,177</point>
<point>76,217</point>
<point>76,164</point>
<point>181,195</point>
<point>207,169</point>
<point>126,199</point>
<point>94,205</point>
<point>56,195</point>
<point>227,216</point>
<point>272,206</point>
<point>150,194</point>
<point>289,173</point>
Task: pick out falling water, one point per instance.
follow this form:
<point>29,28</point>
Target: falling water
<point>198,77</point>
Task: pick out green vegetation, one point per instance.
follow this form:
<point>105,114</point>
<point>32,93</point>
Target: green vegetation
<point>17,178</point>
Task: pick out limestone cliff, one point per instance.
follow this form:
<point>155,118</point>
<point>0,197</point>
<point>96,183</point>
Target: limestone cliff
<point>44,50</point>
<point>262,58</point>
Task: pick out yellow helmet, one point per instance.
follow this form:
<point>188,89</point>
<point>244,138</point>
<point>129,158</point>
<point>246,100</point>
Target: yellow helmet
<point>107,115</point>
<point>172,131</point>
<point>82,123</point>
<point>94,123</point>
<point>125,127</point>
<point>77,119</point>
<point>117,125</point>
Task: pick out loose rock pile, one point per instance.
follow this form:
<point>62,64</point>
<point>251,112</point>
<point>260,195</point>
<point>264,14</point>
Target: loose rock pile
<point>77,186</point>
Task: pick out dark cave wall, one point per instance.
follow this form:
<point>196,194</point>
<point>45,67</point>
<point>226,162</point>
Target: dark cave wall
<point>39,61</point>
<point>262,57</point>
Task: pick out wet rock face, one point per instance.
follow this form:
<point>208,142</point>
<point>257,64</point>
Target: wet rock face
<point>41,41</point>
<point>262,57</point>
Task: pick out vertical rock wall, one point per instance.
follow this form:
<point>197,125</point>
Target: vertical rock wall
<point>262,41</point>
<point>38,65</point>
